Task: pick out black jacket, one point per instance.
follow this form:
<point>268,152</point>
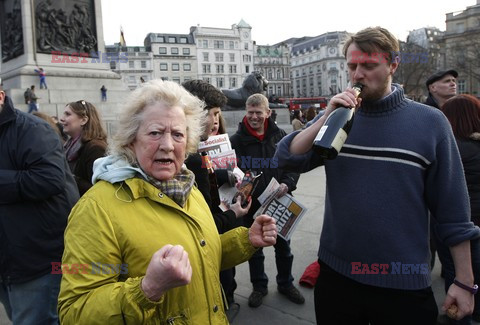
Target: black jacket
<point>37,194</point>
<point>253,154</point>
<point>83,172</point>
<point>224,221</point>
<point>470,153</point>
<point>431,101</point>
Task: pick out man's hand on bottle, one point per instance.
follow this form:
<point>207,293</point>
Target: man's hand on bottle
<point>343,99</point>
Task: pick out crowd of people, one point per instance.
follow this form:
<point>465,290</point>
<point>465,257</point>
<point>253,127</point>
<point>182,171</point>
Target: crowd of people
<point>128,230</point>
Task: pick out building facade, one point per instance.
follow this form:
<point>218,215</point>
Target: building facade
<point>462,48</point>
<point>133,63</point>
<point>174,56</point>
<point>274,63</point>
<point>224,56</point>
<point>318,67</point>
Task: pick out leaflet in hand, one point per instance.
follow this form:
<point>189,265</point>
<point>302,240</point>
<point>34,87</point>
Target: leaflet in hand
<point>286,210</point>
<point>220,151</point>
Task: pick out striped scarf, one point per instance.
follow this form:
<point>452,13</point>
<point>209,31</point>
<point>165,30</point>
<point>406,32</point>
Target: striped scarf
<point>178,188</point>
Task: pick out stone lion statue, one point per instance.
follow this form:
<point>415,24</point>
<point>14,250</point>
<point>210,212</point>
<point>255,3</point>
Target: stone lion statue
<point>254,84</point>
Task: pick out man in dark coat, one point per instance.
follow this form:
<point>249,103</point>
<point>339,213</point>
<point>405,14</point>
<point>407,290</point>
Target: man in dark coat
<point>37,194</point>
<point>255,144</point>
<point>441,86</point>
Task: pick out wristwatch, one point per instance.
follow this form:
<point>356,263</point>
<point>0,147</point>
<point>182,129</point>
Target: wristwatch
<point>473,290</point>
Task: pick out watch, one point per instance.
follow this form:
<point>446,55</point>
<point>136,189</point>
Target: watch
<point>473,290</point>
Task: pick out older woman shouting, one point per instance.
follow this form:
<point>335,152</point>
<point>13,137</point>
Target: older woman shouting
<point>141,247</point>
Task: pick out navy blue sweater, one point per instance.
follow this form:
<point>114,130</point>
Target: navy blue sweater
<point>400,160</point>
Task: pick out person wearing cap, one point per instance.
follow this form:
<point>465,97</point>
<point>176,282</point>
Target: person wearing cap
<point>441,86</point>
<point>225,220</point>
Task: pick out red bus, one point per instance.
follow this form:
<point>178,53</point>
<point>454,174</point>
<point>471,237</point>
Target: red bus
<point>306,102</point>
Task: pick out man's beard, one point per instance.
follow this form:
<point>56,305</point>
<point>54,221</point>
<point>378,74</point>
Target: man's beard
<point>373,95</point>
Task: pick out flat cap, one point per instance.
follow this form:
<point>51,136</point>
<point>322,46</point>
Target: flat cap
<point>439,75</point>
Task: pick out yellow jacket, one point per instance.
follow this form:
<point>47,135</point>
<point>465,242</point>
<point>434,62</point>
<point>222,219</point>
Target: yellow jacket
<point>112,234</point>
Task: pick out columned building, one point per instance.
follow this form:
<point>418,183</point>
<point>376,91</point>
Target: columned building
<point>318,65</point>
<point>274,63</point>
<point>462,48</point>
<point>174,56</point>
<point>224,56</point>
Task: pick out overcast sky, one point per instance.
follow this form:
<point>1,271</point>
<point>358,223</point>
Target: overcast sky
<point>272,21</point>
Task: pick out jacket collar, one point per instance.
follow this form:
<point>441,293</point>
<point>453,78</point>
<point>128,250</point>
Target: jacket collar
<point>271,129</point>
<point>8,112</point>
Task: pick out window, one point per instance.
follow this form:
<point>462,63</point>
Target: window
<point>219,68</point>
<point>171,40</point>
<point>231,45</point>
<point>187,79</point>
<point>177,80</point>
<point>131,79</point>
<point>187,67</point>
<point>183,40</point>
<point>131,64</point>
<point>233,82</point>
<point>163,67</point>
<point>207,79</point>
<point>174,50</point>
<point>218,44</point>
<point>164,78</point>
<point>206,68</point>
<point>247,69</point>
<point>247,58</point>
<point>205,44</point>
<point>113,65</point>
<point>232,57</point>
<point>145,78</point>
<point>218,57</point>
<point>205,56</point>
<point>186,51</point>
<point>461,86</point>
<point>219,82</point>
<point>162,50</point>
<point>279,74</point>
<point>175,67</point>
<point>270,74</point>
<point>160,39</point>
<point>143,64</point>
<point>232,68</point>
<point>246,46</point>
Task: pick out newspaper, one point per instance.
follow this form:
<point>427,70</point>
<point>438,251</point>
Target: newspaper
<point>227,193</point>
<point>220,151</point>
<point>286,210</point>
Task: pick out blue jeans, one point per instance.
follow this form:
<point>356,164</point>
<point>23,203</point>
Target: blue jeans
<point>33,302</point>
<point>283,260</point>
<point>32,107</point>
<point>43,84</point>
<point>449,271</point>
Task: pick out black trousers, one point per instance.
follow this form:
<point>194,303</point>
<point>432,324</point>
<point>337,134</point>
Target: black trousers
<point>341,300</point>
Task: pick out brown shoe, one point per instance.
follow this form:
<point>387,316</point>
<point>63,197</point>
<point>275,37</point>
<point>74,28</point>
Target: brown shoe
<point>292,294</point>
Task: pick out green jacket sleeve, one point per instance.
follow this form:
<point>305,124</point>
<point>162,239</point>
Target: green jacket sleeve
<point>90,295</point>
<point>236,247</point>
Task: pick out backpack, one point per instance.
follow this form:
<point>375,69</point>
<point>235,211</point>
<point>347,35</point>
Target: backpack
<point>26,95</point>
